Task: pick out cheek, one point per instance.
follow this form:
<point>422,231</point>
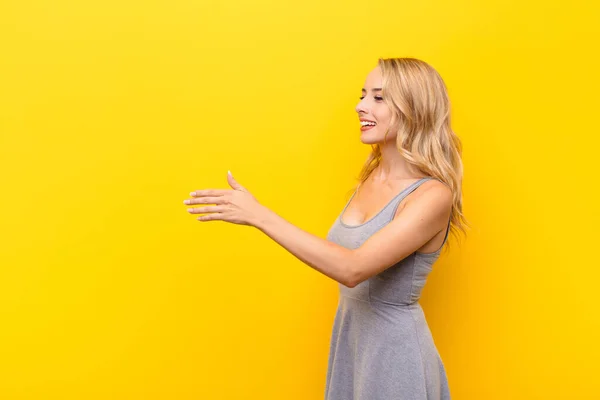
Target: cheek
<point>383,115</point>
<point>383,119</point>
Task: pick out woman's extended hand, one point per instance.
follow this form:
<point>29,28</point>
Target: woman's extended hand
<point>237,206</point>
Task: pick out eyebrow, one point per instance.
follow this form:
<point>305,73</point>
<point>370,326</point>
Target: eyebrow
<point>373,90</point>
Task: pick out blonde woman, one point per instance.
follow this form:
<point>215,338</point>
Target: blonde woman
<point>383,244</point>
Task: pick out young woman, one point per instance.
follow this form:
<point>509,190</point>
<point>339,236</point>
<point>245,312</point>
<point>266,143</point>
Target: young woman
<point>383,244</point>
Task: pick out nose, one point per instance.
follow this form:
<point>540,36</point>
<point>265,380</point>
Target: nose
<point>361,107</point>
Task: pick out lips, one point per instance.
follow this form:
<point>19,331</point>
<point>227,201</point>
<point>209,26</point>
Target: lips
<point>366,127</point>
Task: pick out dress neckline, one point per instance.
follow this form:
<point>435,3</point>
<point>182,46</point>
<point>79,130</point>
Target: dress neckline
<point>380,211</point>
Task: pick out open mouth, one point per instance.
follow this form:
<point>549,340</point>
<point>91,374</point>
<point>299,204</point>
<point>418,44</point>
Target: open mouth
<point>366,125</point>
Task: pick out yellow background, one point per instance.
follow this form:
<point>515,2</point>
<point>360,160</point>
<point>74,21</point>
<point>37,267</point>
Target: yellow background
<point>112,112</point>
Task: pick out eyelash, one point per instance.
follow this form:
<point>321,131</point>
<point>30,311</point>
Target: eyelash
<point>376,98</point>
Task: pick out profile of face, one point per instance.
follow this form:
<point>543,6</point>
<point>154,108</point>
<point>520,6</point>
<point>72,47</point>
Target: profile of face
<point>373,112</point>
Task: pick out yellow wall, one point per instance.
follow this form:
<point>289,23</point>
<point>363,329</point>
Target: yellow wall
<point>111,112</point>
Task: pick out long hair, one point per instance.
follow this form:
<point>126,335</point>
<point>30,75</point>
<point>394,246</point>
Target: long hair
<point>420,107</point>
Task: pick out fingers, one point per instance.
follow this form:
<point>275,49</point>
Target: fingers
<point>209,192</point>
<point>209,209</point>
<point>205,200</point>
<point>211,217</point>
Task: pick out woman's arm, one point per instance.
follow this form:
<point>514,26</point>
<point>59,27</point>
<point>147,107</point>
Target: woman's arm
<point>326,257</point>
<point>419,221</point>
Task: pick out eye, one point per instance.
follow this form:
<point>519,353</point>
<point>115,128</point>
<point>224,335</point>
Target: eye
<point>376,98</point>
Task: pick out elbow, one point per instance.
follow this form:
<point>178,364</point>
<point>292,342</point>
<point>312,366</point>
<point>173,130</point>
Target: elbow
<point>351,273</point>
<point>350,284</point>
<point>352,278</point>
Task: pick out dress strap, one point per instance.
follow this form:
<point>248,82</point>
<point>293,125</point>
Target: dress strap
<point>400,196</point>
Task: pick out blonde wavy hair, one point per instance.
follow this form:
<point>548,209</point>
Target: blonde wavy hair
<point>420,106</point>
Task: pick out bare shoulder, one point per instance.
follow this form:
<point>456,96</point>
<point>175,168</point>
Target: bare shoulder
<point>432,193</point>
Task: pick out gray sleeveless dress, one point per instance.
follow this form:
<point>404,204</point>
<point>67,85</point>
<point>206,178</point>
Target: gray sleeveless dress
<point>381,346</point>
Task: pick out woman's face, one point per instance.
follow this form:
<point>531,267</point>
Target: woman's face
<point>373,108</point>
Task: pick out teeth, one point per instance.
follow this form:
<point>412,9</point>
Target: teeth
<point>365,123</point>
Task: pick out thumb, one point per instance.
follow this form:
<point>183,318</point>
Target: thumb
<point>233,183</point>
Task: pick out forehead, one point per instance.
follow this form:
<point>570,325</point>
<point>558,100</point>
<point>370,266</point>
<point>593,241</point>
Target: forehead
<point>373,79</point>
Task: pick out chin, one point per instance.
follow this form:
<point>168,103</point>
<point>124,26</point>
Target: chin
<point>367,139</point>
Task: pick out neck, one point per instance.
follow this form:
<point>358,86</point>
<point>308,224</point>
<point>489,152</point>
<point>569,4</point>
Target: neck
<point>393,166</point>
